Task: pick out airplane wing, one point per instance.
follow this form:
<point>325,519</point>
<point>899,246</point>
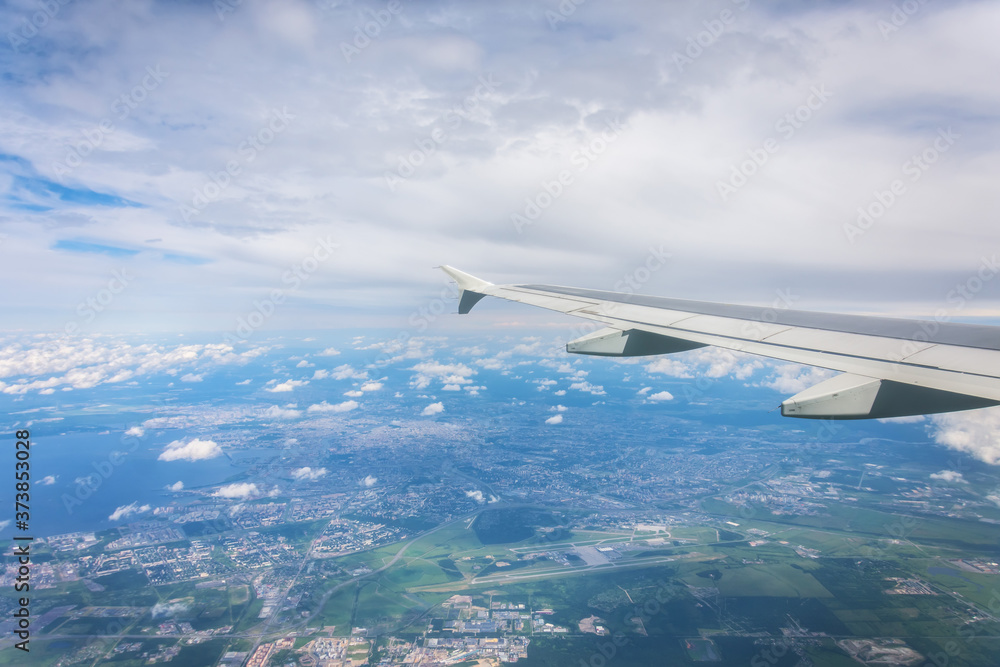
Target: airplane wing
<point>889,367</point>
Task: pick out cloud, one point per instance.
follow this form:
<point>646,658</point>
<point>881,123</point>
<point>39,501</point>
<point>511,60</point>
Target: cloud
<point>244,382</point>
<point>368,481</point>
<point>595,389</point>
<point>427,371</point>
<point>237,491</point>
<point>287,385</point>
<point>126,511</point>
<point>347,372</point>
<point>48,480</point>
<point>176,486</point>
<point>976,432</point>
<point>329,352</point>
<point>451,387</point>
<point>42,363</point>
<point>561,392</point>
<point>323,407</point>
<point>554,419</point>
<point>644,391</point>
<point>476,495</point>
<point>371,385</point>
<point>308,474</point>
<point>354,393</point>
<point>168,609</point>
<point>531,348</point>
<point>909,419</point>
<point>191,377</point>
<point>276,412</point>
<point>136,432</point>
<point>304,364</point>
<point>793,378</point>
<point>559,408</point>
<point>661,396</point>
<point>193,450</point>
<point>951,476</point>
<point>433,409</point>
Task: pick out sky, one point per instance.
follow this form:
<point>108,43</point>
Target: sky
<point>175,167</point>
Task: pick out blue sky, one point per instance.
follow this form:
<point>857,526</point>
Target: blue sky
<point>211,154</point>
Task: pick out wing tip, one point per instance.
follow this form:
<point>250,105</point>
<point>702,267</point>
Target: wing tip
<point>465,280</point>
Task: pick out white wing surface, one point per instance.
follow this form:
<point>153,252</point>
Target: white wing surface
<point>889,367</point>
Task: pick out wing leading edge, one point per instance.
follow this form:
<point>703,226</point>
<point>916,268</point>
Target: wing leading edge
<point>889,367</point>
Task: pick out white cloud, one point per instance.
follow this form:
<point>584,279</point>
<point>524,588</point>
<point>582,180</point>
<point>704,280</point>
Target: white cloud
<point>48,480</point>
<point>168,609</point>
<point>976,432</point>
<point>354,393</point>
<point>193,450</point>
<point>644,391</point>
<point>287,385</point>
<point>136,432</point>
<point>554,419</point>
<point>661,396</point>
<point>192,377</point>
<point>347,372</point>
<point>427,371</point>
<point>309,474</point>
<point>42,363</point>
<point>595,389</point>
<point>371,385</point>
<point>476,495</point>
<point>329,352</point>
<point>951,476</point>
<point>244,382</point>
<point>451,387</point>
<point>304,364</point>
<point>368,481</point>
<point>433,409</point>
<point>911,419</point>
<point>793,378</point>
<point>176,486</point>
<point>561,392</point>
<point>346,406</point>
<point>127,511</point>
<point>559,408</point>
<point>238,491</point>
<point>670,366</point>
<point>275,412</point>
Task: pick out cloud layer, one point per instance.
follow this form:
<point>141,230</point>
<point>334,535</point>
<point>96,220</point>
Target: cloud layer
<point>172,169</point>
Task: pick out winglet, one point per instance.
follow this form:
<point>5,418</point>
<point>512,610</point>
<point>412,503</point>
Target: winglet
<point>470,286</point>
<point>464,280</point>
